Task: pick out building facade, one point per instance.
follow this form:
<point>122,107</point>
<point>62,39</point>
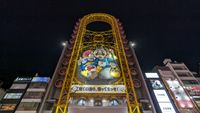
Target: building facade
<point>25,95</point>
<point>182,86</point>
<point>2,91</point>
<point>97,72</point>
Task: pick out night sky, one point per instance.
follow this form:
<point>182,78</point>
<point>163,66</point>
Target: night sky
<point>31,31</point>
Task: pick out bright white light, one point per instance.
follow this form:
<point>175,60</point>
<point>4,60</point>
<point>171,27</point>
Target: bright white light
<point>151,75</point>
<point>63,43</point>
<point>132,44</point>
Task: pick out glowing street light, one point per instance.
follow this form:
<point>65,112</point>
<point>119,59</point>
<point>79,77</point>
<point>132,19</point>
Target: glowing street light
<point>63,43</point>
<point>133,44</point>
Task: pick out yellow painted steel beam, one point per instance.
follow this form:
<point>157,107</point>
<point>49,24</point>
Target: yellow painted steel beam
<point>77,48</point>
<point>62,108</point>
<point>119,40</point>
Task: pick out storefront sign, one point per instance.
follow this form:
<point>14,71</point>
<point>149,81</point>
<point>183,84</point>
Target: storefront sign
<point>12,96</point>
<point>23,79</point>
<point>151,75</point>
<point>156,84</point>
<point>161,96</point>
<point>18,86</point>
<point>166,108</point>
<point>193,90</point>
<point>158,90</point>
<point>98,89</point>
<point>181,97</point>
<point>40,79</point>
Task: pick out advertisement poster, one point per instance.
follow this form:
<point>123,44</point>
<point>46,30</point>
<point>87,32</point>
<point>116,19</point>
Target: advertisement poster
<point>161,96</point>
<point>181,97</point>
<point>7,107</point>
<point>40,79</point>
<point>166,108</point>
<point>156,84</point>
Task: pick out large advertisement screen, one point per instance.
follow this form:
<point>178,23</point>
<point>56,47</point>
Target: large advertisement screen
<point>181,97</point>
<point>158,91</point>
<point>98,66</point>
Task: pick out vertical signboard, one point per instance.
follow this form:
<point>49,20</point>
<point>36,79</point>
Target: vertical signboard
<point>159,94</point>
<point>181,97</point>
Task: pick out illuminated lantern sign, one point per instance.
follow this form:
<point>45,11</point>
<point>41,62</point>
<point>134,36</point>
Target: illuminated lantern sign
<point>98,89</point>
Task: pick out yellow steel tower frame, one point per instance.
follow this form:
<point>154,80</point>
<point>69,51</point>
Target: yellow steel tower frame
<point>132,103</point>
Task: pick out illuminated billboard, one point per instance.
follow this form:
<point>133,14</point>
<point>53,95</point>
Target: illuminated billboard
<point>166,108</point>
<point>193,90</point>
<point>37,86</point>
<point>158,91</point>
<point>98,89</point>
<point>156,84</point>
<point>161,96</point>
<point>12,96</point>
<point>151,75</point>
<point>181,97</point>
<point>18,86</point>
<point>7,107</point>
<point>23,79</point>
<point>97,65</point>
<point>40,79</point>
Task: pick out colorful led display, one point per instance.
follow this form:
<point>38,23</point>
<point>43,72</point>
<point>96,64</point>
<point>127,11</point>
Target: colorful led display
<point>181,97</point>
<point>98,89</point>
<point>98,63</point>
<point>12,96</point>
<point>40,79</point>
<point>159,91</point>
<point>193,90</point>
<point>7,107</point>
